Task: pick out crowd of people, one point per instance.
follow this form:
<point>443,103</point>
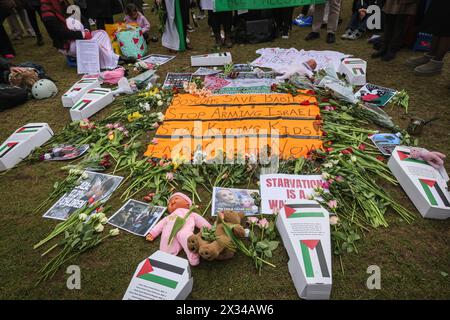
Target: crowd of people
<point>400,22</point>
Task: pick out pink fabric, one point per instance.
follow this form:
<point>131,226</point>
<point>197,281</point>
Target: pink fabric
<point>113,76</point>
<point>141,21</point>
<point>164,228</point>
<point>181,195</point>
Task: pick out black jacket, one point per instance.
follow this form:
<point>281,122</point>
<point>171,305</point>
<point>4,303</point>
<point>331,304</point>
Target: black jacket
<point>103,8</point>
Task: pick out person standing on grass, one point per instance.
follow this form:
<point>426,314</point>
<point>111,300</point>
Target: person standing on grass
<point>396,16</point>
<point>103,11</point>
<point>437,23</point>
<point>33,7</point>
<point>333,20</point>
<point>283,19</point>
<point>6,47</point>
<point>358,22</point>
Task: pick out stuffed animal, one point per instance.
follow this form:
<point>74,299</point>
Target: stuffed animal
<point>433,158</point>
<point>178,206</point>
<point>219,247</point>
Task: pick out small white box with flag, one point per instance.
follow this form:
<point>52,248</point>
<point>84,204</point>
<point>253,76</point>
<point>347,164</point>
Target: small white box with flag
<point>354,70</point>
<point>20,144</point>
<point>304,228</point>
<point>425,186</point>
<point>91,102</point>
<point>78,89</point>
<point>161,276</point>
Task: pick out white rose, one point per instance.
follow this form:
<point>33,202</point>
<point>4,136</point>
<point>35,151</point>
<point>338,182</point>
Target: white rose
<point>114,232</point>
<point>99,227</point>
<point>84,175</point>
<point>353,158</point>
<point>158,96</point>
<point>82,217</point>
<point>328,165</point>
<point>104,220</point>
<point>326,175</point>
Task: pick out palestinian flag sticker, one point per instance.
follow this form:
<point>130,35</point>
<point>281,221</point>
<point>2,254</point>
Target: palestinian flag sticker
<point>98,91</point>
<point>80,105</point>
<point>160,272</point>
<point>404,156</point>
<point>6,148</point>
<point>28,129</point>
<point>313,255</point>
<point>303,210</point>
<point>434,193</point>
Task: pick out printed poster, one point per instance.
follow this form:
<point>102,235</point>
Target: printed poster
<point>96,187</point>
<point>137,217</point>
<point>157,59</point>
<point>385,142</point>
<point>239,200</point>
<point>375,95</point>
<point>176,80</point>
<point>276,189</point>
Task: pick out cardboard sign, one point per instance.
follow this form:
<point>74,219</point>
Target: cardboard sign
<point>161,276</point>
<point>88,57</point>
<point>96,187</point>
<point>239,124</point>
<point>22,142</point>
<point>212,59</point>
<point>305,230</point>
<point>91,102</point>
<point>354,70</point>
<point>78,90</point>
<point>137,217</point>
<point>276,189</point>
<point>425,186</point>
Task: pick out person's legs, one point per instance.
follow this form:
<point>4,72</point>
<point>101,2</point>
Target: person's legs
<point>435,64</point>
<point>427,56</point>
<point>215,23</point>
<point>14,26</point>
<point>319,10</point>
<point>333,15</point>
<point>184,8</point>
<point>389,23</point>
<point>442,47</point>
<point>5,43</point>
<point>34,24</point>
<point>26,22</point>
<point>287,18</point>
<point>226,19</point>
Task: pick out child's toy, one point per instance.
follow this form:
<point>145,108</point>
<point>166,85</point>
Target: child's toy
<point>91,102</point>
<point>178,207</point>
<point>433,158</point>
<point>216,246</point>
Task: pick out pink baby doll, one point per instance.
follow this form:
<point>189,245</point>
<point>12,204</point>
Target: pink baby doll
<point>433,158</point>
<point>178,205</point>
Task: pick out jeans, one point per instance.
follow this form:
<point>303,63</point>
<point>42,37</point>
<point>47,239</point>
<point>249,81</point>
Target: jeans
<point>358,24</point>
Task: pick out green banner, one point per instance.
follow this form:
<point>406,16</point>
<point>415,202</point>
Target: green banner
<point>229,5</point>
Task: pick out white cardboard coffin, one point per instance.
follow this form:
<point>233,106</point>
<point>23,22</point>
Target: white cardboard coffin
<point>354,70</point>
<point>161,276</point>
<point>424,185</point>
<point>78,90</point>
<point>304,228</point>
<point>20,144</point>
<point>91,102</point>
<point>212,59</point>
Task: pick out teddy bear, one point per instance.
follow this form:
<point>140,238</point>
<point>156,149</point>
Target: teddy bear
<point>178,206</point>
<point>433,158</point>
<point>218,249</point>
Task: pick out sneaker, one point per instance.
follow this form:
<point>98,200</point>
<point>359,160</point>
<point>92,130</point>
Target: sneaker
<point>305,21</point>
<point>285,35</point>
<point>312,36</point>
<point>299,16</point>
<point>430,68</point>
<point>418,61</point>
<point>331,38</point>
<point>355,35</point>
<point>190,29</point>
<point>347,33</point>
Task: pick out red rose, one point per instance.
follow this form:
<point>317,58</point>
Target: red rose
<point>311,92</point>
<point>362,147</point>
<point>380,158</point>
<point>305,103</point>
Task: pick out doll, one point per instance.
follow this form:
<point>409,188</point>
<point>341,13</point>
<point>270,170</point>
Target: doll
<point>303,69</point>
<point>178,206</point>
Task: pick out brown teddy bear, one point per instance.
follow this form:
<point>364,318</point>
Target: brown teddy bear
<point>218,249</point>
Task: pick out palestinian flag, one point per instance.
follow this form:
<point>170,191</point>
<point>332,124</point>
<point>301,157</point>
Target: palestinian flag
<point>435,195</point>
<point>87,81</point>
<point>160,272</point>
<point>28,129</point>
<point>404,156</point>
<point>312,254</point>
<point>80,105</point>
<point>303,210</point>
<point>358,71</point>
<point>174,37</point>
<point>101,92</point>
<point>7,147</point>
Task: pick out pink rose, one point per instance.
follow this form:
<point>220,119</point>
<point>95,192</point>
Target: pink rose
<point>332,204</point>
<point>263,223</point>
<point>169,176</point>
<point>252,220</point>
<point>325,185</point>
<point>109,126</point>
<point>339,178</point>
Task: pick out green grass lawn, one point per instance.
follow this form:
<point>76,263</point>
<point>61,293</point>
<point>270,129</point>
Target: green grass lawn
<point>414,259</point>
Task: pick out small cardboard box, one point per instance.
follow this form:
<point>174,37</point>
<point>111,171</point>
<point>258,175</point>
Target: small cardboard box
<point>20,144</point>
<point>305,230</point>
<point>91,102</point>
<point>354,70</point>
<point>212,59</point>
<point>78,90</point>
<point>161,276</point>
<point>425,186</point>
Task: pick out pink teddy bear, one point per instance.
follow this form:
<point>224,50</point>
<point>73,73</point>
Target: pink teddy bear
<point>178,206</point>
<point>433,158</point>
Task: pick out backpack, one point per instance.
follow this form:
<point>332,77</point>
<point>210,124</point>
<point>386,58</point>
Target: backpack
<point>255,31</point>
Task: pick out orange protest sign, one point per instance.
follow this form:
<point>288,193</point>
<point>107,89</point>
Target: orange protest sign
<point>239,124</point>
